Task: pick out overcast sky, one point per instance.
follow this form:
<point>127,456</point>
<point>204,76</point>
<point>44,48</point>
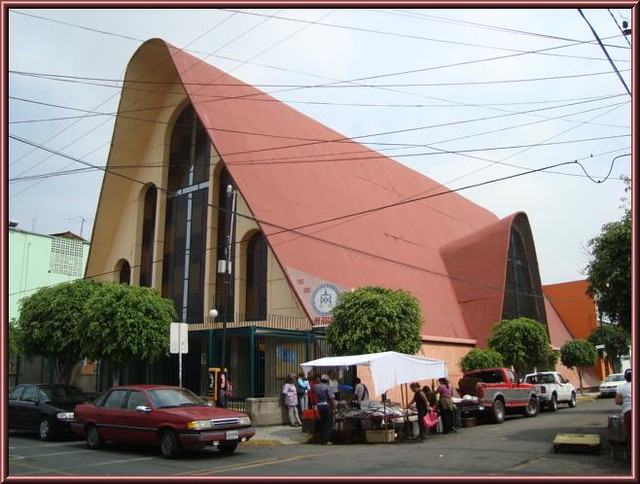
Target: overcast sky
<point>466,97</point>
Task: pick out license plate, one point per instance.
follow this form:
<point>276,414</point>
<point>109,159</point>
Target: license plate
<point>232,435</point>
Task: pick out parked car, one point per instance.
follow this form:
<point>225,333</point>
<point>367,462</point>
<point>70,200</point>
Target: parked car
<point>170,417</point>
<point>45,409</point>
<point>610,384</point>
<point>552,389</point>
<point>493,392</point>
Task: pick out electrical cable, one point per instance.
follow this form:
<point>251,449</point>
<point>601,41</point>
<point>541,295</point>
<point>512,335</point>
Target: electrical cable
<point>605,52</point>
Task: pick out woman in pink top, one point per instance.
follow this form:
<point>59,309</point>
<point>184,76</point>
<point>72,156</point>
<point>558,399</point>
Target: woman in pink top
<point>445,402</point>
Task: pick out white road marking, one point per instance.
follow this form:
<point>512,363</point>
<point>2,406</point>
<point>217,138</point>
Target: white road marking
<point>47,455</point>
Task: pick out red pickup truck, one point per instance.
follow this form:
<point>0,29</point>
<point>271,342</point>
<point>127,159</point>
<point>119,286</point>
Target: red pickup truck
<point>494,392</point>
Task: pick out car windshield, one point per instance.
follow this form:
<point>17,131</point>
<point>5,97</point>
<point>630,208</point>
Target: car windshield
<point>616,377</point>
<point>59,393</point>
<point>175,397</point>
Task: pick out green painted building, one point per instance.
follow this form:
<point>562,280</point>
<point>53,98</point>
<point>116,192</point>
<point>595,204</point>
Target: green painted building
<point>38,260</point>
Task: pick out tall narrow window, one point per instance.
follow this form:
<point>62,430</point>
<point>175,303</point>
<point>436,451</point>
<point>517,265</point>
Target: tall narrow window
<point>186,216</point>
<point>148,230</point>
<point>124,276</point>
<point>523,294</point>
<point>256,299</point>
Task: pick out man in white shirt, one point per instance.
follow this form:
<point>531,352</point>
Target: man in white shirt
<point>623,397</point>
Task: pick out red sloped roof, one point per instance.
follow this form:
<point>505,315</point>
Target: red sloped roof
<point>477,264</point>
<point>576,309</point>
<point>558,332</point>
<point>303,181</point>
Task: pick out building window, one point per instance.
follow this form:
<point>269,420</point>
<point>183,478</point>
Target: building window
<point>523,295</point>
<point>124,273</point>
<point>186,217</point>
<point>148,230</point>
<point>66,257</point>
<point>256,298</point>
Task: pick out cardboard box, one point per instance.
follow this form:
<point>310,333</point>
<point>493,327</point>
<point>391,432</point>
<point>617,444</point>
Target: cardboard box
<point>468,421</point>
<point>380,436</point>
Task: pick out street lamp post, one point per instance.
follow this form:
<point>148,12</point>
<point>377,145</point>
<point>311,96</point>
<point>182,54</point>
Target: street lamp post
<point>227,275</point>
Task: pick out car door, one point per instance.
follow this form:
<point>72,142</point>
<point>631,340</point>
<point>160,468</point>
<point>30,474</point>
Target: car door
<point>30,407</point>
<point>109,416</point>
<point>564,390</point>
<point>136,423</point>
<point>16,415</point>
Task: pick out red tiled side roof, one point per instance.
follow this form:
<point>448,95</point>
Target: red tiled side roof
<point>575,307</point>
<point>558,332</point>
<point>293,171</point>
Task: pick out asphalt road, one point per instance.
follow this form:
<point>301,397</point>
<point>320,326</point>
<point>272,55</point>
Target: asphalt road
<point>518,447</point>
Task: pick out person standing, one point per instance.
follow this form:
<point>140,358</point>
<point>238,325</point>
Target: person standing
<point>623,398</point>
<point>222,388</point>
<point>313,381</point>
<point>290,399</point>
<point>445,392</point>
<point>325,403</point>
<point>303,387</point>
<point>422,407</point>
<point>361,391</point>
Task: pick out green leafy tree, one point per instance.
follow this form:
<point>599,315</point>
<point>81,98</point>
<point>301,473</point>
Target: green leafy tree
<point>609,272</point>
<point>616,342</point>
<point>479,358</point>
<point>523,342</point>
<point>12,334</point>
<point>374,319</point>
<point>127,323</point>
<point>578,354</point>
<point>50,324</point>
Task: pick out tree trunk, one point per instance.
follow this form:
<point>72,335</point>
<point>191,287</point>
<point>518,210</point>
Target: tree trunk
<point>580,372</point>
<point>115,376</point>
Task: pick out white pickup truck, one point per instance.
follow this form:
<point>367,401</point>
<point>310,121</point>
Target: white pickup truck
<point>552,389</point>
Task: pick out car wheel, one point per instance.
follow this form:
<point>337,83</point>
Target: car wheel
<point>498,410</point>
<point>553,404</point>
<point>44,429</point>
<point>228,448</point>
<point>93,437</point>
<point>531,410</point>
<point>573,401</point>
<point>169,446</point>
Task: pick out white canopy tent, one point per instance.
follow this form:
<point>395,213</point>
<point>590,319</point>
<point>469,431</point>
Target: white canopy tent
<point>388,368</point>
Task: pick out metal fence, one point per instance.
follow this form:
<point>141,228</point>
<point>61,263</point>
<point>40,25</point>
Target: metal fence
<point>260,356</point>
<point>31,370</point>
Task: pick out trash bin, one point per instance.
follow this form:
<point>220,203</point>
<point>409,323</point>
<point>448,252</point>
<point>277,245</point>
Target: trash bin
<point>616,436</point>
<point>616,429</point>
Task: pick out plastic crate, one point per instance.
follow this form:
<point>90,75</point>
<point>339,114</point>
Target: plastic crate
<point>380,436</point>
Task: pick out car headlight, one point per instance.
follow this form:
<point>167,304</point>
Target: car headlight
<point>244,420</point>
<point>65,416</point>
<point>199,424</point>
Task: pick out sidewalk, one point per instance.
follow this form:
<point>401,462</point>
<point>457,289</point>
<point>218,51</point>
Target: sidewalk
<point>278,435</point>
<point>285,434</point>
<point>587,397</point>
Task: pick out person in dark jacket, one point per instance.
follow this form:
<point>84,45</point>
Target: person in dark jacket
<point>422,407</point>
<point>325,403</point>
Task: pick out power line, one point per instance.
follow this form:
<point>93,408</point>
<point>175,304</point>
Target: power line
<point>605,52</point>
<point>296,230</point>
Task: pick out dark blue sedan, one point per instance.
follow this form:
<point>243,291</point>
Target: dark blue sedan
<point>45,409</point>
